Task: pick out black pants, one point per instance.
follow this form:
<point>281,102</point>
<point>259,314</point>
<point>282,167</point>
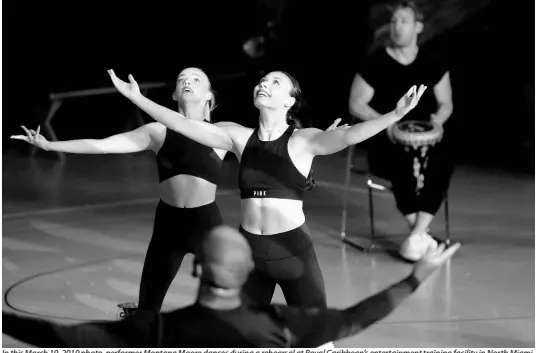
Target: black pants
<point>176,233</point>
<point>390,161</point>
<point>289,260</point>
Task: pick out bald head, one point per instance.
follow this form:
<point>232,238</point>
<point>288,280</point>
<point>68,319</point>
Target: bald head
<point>225,257</point>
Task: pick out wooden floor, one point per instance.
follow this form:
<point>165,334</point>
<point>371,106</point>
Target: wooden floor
<point>74,238</point>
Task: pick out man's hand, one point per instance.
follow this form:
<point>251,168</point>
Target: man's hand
<point>433,259</point>
<point>389,132</point>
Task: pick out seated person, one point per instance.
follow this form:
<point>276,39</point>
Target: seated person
<point>378,83</point>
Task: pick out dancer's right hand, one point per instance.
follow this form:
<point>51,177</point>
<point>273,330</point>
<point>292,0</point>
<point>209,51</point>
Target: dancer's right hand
<point>433,258</point>
<point>33,138</point>
<point>129,90</point>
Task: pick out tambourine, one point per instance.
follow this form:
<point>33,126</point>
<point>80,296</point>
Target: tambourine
<point>416,133</point>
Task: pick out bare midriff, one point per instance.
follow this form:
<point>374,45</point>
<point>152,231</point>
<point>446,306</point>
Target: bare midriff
<point>268,216</point>
<point>187,191</point>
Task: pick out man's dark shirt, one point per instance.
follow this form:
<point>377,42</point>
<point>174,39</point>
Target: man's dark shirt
<point>391,80</point>
<point>273,326</point>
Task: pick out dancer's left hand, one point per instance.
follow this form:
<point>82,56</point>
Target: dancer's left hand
<point>409,100</point>
<point>129,90</point>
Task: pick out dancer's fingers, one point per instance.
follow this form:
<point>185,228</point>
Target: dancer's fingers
<point>423,90</point>
<point>113,76</point>
<point>27,132</point>
<point>334,125</point>
<point>440,248</point>
<point>450,251</point>
<point>420,91</point>
<point>19,137</point>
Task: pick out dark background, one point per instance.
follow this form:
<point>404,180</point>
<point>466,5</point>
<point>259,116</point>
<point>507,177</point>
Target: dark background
<point>62,46</point>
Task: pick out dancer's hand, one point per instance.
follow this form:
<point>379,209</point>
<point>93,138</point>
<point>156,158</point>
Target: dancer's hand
<point>129,90</point>
<point>33,138</point>
<point>335,127</point>
<point>433,259</point>
<point>409,100</point>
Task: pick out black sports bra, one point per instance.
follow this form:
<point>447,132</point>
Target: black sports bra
<point>267,171</point>
<point>181,155</point>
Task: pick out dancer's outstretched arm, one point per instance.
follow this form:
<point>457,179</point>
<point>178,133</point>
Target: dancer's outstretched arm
<point>140,139</point>
<point>138,331</point>
<point>314,327</point>
<point>320,142</point>
<point>209,135</point>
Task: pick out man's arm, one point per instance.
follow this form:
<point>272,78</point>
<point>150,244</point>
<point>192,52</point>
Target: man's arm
<point>377,307</point>
<point>315,327</point>
<point>443,95</point>
<point>138,331</point>
<point>361,94</point>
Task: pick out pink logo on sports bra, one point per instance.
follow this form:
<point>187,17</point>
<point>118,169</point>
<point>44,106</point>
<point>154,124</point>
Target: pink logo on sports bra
<point>260,193</point>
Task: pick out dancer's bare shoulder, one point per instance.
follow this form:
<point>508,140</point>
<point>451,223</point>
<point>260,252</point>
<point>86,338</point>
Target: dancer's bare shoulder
<point>155,127</point>
<point>237,132</point>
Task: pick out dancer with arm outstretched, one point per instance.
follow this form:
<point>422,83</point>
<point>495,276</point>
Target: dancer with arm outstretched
<point>275,164</point>
<point>188,173</point>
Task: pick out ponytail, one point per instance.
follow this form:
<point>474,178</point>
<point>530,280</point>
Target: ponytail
<point>294,121</point>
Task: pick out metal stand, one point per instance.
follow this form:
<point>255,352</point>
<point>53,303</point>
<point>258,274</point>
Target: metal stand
<point>361,244</point>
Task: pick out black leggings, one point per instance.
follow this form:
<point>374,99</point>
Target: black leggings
<point>390,161</point>
<point>176,233</point>
<point>287,259</point>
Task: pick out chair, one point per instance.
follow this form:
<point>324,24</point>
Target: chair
<point>385,185</point>
<point>375,183</point>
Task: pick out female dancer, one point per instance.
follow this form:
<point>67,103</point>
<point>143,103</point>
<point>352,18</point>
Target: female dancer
<point>188,174</point>
<point>275,160</point>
